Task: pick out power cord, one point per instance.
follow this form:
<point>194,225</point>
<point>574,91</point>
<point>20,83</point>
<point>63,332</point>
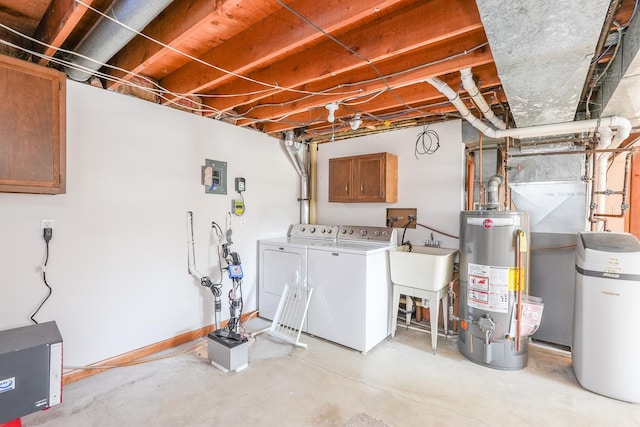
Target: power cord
<point>47,234</point>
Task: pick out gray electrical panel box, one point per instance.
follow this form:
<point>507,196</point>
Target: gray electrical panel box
<point>30,370</point>
<point>214,177</point>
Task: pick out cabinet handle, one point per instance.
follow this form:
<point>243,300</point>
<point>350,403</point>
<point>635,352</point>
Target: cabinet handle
<point>346,188</point>
<point>362,188</point>
<point>335,254</point>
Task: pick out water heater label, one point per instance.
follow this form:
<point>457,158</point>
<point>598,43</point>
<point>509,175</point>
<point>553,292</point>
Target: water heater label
<point>488,288</point>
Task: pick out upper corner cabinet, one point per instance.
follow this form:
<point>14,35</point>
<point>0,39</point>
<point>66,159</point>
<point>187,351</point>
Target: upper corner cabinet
<point>366,178</point>
<point>32,128</point>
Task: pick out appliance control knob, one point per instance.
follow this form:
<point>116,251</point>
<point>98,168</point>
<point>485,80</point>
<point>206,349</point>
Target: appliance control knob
<point>376,233</point>
<point>344,231</point>
<point>302,229</point>
<point>312,229</point>
<point>385,233</point>
<point>329,231</point>
<point>351,231</point>
<point>363,232</point>
<point>323,231</point>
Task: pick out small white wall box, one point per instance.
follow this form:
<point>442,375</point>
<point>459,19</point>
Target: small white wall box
<point>30,370</point>
<point>227,354</point>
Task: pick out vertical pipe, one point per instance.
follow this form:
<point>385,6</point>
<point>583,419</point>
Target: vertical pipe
<point>519,290</point>
<point>507,190</point>
<point>313,173</point>
<point>480,186</point>
<point>470,180</point>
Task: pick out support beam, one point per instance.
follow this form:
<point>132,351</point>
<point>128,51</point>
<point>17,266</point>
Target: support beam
<point>58,22</point>
<point>176,27</point>
<point>411,41</point>
<point>302,103</point>
<point>271,39</point>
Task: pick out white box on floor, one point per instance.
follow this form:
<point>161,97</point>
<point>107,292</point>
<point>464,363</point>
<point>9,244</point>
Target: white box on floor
<point>227,353</point>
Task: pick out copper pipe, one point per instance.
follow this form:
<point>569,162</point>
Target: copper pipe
<point>480,186</point>
<point>624,191</point>
<point>519,290</point>
<point>507,190</point>
<point>470,181</point>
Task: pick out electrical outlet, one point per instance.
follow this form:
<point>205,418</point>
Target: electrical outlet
<point>46,223</point>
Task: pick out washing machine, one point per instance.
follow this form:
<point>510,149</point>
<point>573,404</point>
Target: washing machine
<point>284,261</point>
<point>351,299</point>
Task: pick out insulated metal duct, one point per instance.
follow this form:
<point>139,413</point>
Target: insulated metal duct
<point>107,37</point>
<point>298,153</point>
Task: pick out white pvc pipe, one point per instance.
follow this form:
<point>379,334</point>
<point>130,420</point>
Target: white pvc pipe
<point>623,125</point>
<point>472,89</point>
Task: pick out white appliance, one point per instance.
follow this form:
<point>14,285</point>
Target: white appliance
<point>605,345</point>
<point>284,261</point>
<point>352,293</point>
<point>347,267</point>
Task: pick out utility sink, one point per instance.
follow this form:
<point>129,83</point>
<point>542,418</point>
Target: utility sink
<point>424,273</point>
<point>425,267</point>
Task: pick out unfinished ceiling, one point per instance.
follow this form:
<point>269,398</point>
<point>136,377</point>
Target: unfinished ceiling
<point>275,65</point>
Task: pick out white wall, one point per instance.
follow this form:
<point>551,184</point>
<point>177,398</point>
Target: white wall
<point>434,184</point>
<point>118,260</point>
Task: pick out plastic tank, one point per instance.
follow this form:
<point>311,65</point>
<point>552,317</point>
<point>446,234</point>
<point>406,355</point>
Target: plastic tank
<point>488,284</point>
<point>605,344</point>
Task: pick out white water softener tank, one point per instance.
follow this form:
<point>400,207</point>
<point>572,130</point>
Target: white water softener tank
<point>605,343</point>
<point>489,258</point>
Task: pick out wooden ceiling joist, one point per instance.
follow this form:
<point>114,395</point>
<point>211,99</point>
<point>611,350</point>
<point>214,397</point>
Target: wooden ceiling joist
<point>56,25</point>
<point>277,36</point>
<point>300,103</point>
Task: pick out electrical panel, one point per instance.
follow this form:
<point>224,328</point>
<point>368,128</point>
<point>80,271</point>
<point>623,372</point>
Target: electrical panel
<point>214,176</point>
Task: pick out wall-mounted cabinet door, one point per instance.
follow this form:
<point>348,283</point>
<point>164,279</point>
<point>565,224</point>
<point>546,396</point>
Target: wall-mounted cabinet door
<point>32,128</point>
<point>369,175</point>
<point>341,179</point>
<point>367,178</point>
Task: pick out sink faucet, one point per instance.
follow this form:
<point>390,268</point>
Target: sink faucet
<point>431,242</point>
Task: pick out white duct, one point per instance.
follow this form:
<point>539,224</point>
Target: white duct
<point>107,37</point>
<point>298,154</point>
<point>472,89</point>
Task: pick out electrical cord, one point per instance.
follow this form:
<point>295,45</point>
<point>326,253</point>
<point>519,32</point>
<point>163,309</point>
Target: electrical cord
<point>47,236</point>
<point>421,147</point>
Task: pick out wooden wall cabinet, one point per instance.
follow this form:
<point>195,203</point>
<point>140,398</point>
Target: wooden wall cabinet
<point>32,128</point>
<point>366,178</point>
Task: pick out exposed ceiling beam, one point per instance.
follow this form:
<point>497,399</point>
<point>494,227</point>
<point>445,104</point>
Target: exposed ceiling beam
<point>300,103</point>
<point>58,22</point>
<point>417,96</point>
<point>277,36</point>
<point>300,69</point>
<point>176,26</point>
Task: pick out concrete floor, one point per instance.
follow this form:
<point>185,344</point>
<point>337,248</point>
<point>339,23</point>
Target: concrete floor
<point>398,383</point>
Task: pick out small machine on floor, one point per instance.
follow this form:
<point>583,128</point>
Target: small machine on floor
<point>227,348</point>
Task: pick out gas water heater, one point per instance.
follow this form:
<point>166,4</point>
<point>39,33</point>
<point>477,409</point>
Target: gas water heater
<point>494,258</point>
